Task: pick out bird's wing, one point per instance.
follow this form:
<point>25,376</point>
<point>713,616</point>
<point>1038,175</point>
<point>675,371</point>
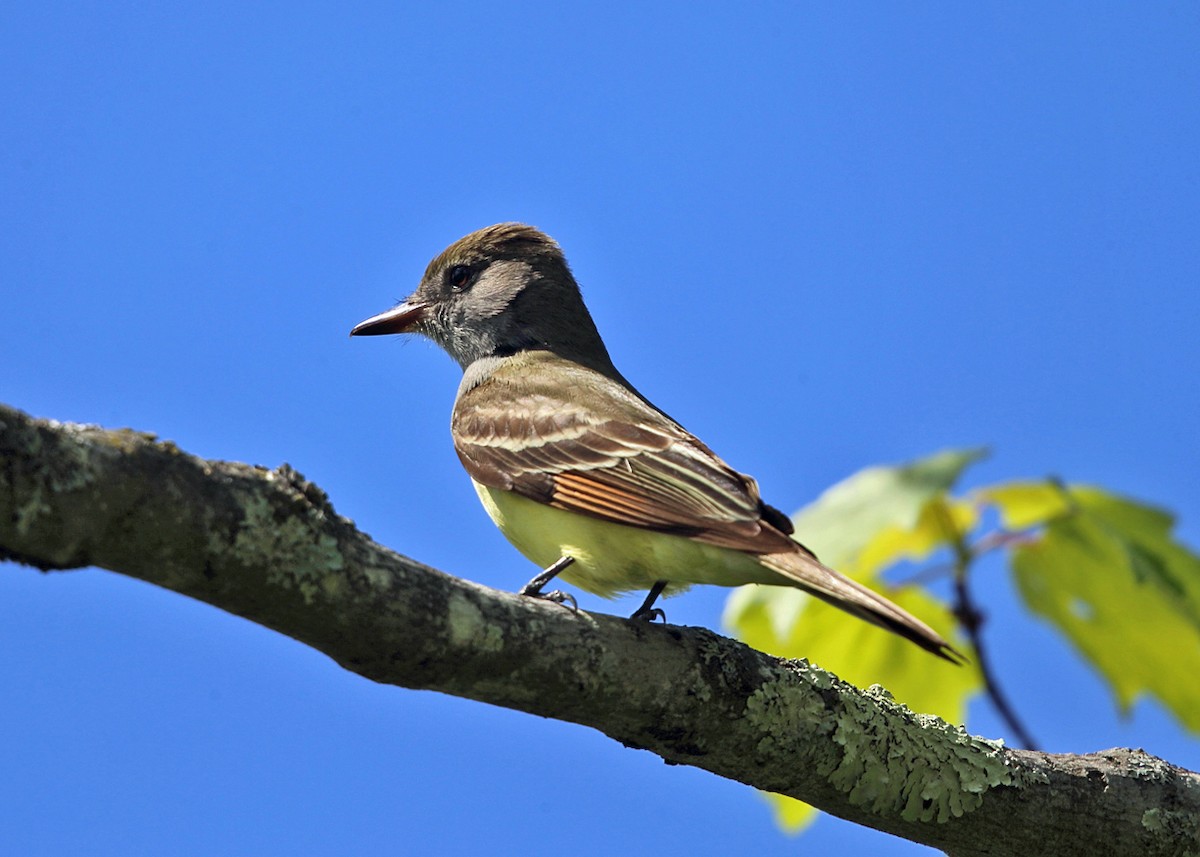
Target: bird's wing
<point>567,436</point>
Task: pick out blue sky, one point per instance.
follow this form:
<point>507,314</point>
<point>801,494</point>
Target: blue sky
<point>822,238</point>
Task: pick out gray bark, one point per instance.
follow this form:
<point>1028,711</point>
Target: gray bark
<point>268,545</point>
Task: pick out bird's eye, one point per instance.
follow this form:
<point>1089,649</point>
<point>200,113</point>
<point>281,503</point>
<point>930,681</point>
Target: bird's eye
<point>458,277</point>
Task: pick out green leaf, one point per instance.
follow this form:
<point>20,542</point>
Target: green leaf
<point>936,526</point>
<point>1026,504</point>
<point>1144,533</point>
<point>794,816</point>
<point>854,525</point>
<point>1110,576</point>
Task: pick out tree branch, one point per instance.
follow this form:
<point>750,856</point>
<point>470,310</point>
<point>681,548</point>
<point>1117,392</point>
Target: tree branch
<point>267,545</point>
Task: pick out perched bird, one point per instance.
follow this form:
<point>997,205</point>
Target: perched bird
<point>582,473</point>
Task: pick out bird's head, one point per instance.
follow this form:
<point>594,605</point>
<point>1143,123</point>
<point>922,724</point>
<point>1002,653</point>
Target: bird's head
<point>499,291</point>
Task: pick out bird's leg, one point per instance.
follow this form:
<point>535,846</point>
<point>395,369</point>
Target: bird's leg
<point>534,587</point>
<point>648,612</point>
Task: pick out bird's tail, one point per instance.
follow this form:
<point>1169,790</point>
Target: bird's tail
<point>806,572</point>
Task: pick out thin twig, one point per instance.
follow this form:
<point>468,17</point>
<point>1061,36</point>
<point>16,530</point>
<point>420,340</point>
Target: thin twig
<point>972,619</point>
<point>992,541</point>
<point>997,539</point>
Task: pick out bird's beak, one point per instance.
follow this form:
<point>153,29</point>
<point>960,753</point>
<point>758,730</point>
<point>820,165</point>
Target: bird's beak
<point>401,318</point>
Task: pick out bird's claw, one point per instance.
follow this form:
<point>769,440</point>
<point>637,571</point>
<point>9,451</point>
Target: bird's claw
<point>648,612</point>
<point>649,615</point>
<point>557,596</point>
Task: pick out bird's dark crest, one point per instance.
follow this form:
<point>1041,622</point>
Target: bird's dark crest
<point>503,240</point>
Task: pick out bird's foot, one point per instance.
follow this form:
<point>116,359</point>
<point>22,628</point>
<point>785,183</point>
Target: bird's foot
<point>648,612</point>
<point>566,599</point>
<point>641,615</point>
<point>533,589</point>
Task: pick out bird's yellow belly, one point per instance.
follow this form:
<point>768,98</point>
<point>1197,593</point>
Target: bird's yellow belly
<point>614,558</point>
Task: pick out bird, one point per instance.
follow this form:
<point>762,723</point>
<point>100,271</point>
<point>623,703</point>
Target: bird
<point>583,474</point>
